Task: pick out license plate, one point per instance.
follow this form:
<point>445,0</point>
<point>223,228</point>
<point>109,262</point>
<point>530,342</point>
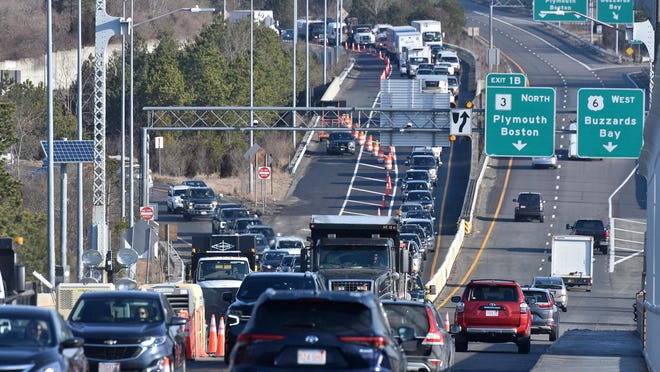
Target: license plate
<point>492,312</point>
<point>109,367</point>
<point>311,356</point>
<point>203,212</point>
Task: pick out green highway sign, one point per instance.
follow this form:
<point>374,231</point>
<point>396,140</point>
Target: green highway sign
<point>615,11</point>
<point>520,121</point>
<point>610,123</point>
<point>566,10</point>
<point>506,80</point>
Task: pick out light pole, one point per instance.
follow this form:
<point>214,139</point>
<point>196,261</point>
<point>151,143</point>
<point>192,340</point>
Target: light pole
<point>132,25</point>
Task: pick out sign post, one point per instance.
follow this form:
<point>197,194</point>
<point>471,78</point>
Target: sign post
<point>520,121</point>
<point>610,123</point>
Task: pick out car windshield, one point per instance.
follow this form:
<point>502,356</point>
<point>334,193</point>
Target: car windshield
<point>418,214</point>
<point>17,330</point>
<point>340,136</point>
<point>194,183</point>
<point>528,198</point>
<point>428,228</point>
<point>290,244</point>
<point>411,207</point>
<point>266,231</point>
<point>201,193</point>
<point>116,310</point>
<point>417,186</point>
<point>179,192</point>
<point>222,270</point>
<point>233,213</point>
<point>273,256</point>
<point>333,257</point>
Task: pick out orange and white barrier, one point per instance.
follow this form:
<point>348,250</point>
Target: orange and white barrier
<point>388,161</point>
<point>381,156</point>
<point>370,144</point>
<point>376,148</point>
<point>362,138</point>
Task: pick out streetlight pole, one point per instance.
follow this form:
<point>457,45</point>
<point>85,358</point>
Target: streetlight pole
<point>132,25</point>
<point>252,188</point>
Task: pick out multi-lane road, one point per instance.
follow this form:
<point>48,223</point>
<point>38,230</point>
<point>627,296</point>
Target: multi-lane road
<point>497,247</point>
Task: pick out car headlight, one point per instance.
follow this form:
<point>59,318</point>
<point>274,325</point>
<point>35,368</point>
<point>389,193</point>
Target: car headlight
<point>191,205</point>
<point>153,341</point>
<point>214,204</point>
<point>50,367</point>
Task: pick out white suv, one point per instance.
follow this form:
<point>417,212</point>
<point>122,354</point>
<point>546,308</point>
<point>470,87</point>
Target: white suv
<point>174,198</point>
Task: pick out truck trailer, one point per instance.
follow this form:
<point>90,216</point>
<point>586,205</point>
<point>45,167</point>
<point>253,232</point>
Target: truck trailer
<point>572,260</point>
<point>431,31</point>
<point>358,253</point>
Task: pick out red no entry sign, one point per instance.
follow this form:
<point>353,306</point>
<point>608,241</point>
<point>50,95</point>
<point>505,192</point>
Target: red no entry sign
<point>146,213</point>
<point>264,173</point>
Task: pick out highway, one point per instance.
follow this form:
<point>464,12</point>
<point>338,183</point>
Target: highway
<point>497,246</point>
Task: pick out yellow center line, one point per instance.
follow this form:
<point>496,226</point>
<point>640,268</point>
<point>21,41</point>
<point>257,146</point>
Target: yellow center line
<point>485,241</point>
<point>442,210</point>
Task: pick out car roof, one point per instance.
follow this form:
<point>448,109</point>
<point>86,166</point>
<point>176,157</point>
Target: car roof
<point>500,282</point>
<point>289,237</point>
<point>27,310</point>
<point>406,302</point>
<point>363,296</point>
<point>120,294</point>
<point>179,187</point>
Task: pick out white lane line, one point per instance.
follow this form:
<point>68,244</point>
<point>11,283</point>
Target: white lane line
<point>364,202</point>
<point>357,163</point>
<point>368,191</point>
<point>370,179</point>
<point>358,214</point>
<point>373,166</point>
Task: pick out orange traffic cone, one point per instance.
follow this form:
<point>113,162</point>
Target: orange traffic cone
<point>381,156</point>
<point>447,321</point>
<point>213,336</point>
<point>370,144</point>
<point>388,162</point>
<point>388,183</point>
<point>382,204</point>
<point>362,138</point>
<point>220,351</point>
<point>166,364</point>
<point>380,55</point>
<point>376,147</point>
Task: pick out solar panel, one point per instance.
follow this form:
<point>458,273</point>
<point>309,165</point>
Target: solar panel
<point>71,151</point>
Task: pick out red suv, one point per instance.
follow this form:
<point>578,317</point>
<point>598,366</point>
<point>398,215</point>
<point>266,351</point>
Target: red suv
<point>493,310</point>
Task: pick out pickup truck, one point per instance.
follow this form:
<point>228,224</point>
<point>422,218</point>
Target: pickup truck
<point>594,228</point>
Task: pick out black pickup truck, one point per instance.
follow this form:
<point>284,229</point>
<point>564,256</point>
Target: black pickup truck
<point>595,228</point>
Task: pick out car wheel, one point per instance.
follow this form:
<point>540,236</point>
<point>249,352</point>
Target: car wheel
<point>603,250</point>
<point>524,345</point>
<point>564,308</point>
<point>227,356</point>
<point>169,210</point>
<point>516,218</point>
<point>460,344</point>
<point>541,219</point>
<point>554,333</point>
<point>183,364</point>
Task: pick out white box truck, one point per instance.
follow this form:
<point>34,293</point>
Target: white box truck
<point>572,260</point>
<point>431,31</point>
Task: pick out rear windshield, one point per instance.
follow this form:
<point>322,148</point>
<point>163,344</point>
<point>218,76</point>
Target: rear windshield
<point>539,297</point>
<point>417,175</point>
<point>423,161</point>
<point>528,198</point>
<point>492,293</point>
<point>589,225</point>
<point>408,316</point>
<point>338,317</point>
<point>253,286</point>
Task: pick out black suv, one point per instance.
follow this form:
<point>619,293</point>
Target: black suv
<point>318,330</point>
<point>256,283</point>
<point>199,202</point>
<point>529,205</point>
<point>129,330</point>
<point>340,142</point>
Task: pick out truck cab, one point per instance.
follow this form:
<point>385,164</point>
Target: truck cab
<point>357,253</point>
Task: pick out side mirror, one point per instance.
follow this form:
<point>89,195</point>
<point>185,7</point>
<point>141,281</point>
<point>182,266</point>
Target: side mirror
<point>568,227</point>
<point>454,328</point>
<point>515,200</point>
<point>431,289</point>
<point>456,299</point>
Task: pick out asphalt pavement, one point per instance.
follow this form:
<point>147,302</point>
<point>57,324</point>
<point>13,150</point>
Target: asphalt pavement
<point>587,350</point>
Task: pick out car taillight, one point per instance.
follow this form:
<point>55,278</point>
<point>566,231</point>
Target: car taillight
<point>250,338</point>
<point>607,234</point>
<point>523,308</point>
<point>376,341</point>
<point>434,336</point>
<point>547,305</point>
